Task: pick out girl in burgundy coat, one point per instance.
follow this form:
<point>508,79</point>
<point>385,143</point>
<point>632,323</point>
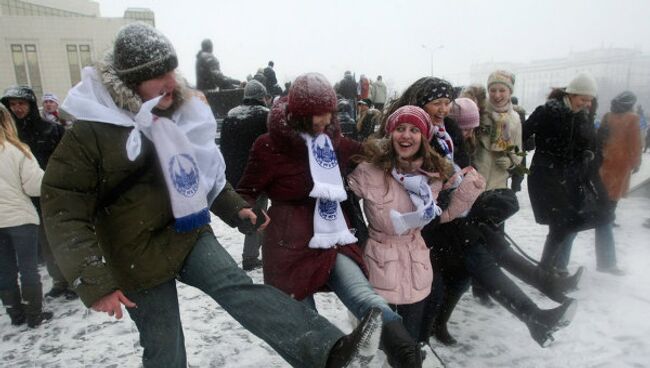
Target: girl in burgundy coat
<point>308,246</point>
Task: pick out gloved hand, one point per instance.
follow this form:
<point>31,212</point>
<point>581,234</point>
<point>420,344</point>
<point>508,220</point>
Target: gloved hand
<point>503,162</point>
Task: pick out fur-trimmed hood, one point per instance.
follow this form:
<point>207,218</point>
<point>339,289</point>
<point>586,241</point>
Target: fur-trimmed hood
<point>125,96</point>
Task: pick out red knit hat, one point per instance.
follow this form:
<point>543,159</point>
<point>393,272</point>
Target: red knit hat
<point>412,115</point>
<point>465,113</point>
<point>311,95</point>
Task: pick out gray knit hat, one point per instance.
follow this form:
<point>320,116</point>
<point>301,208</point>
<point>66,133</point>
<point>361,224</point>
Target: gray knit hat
<point>624,102</point>
<point>141,53</point>
<point>583,84</point>
<point>254,90</point>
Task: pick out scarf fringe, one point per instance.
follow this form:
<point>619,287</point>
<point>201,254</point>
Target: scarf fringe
<point>329,191</point>
<point>192,221</point>
<point>329,240</point>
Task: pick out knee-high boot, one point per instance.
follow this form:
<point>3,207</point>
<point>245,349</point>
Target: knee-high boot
<point>33,296</point>
<point>12,301</point>
<point>440,331</point>
<point>401,349</point>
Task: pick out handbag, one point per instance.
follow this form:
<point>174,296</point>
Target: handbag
<point>352,208</point>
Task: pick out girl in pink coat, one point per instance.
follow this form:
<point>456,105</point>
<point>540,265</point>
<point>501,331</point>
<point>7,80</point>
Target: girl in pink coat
<point>399,180</point>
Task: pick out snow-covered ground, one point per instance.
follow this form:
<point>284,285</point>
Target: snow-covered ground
<point>611,327</point>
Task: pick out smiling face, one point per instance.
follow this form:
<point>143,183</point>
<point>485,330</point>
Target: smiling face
<point>320,122</point>
<point>406,139</point>
<point>580,102</point>
<point>499,94</point>
<point>163,85</point>
<point>438,109</point>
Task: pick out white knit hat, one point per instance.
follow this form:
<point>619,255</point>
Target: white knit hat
<point>583,84</point>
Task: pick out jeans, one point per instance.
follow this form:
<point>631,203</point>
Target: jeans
<point>557,249</point>
<point>349,283</point>
<point>297,333</point>
<point>412,316</point>
<point>605,246</point>
<point>19,254</point>
<point>253,242</point>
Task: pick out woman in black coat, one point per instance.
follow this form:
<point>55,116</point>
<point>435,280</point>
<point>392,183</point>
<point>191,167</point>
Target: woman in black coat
<point>563,167</point>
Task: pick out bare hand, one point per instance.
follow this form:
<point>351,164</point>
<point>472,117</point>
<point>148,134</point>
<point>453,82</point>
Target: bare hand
<point>247,213</point>
<point>112,304</point>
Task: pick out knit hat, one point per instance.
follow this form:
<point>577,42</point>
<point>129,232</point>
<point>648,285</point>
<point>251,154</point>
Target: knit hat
<point>254,90</point>
<point>436,88</point>
<point>624,102</point>
<point>311,95</point>
<point>50,97</point>
<point>412,115</point>
<point>465,113</point>
<point>503,77</point>
<point>142,53</point>
<point>583,84</point>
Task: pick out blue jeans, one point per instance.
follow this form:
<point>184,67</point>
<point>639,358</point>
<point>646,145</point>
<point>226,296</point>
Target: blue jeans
<point>297,333</point>
<point>605,246</point>
<point>557,249</point>
<point>19,254</point>
<point>349,283</point>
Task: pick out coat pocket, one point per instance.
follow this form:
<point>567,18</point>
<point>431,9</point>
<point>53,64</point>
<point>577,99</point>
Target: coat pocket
<point>383,266</point>
<point>421,270</point>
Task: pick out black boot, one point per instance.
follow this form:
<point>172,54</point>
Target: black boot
<point>481,295</point>
<point>33,296</point>
<point>400,347</point>
<point>542,323</point>
<point>14,306</point>
<point>359,347</point>
<point>440,331</point>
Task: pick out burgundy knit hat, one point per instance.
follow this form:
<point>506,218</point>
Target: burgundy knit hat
<point>465,112</point>
<point>311,95</point>
<point>412,115</point>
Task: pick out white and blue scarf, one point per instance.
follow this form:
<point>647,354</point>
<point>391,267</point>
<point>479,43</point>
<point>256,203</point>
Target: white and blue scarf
<point>192,164</point>
<point>330,228</point>
<point>419,190</point>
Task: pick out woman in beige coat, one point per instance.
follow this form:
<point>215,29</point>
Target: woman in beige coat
<point>399,179</point>
<point>20,178</point>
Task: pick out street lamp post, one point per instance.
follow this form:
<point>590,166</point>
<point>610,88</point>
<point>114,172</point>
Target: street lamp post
<point>431,50</point>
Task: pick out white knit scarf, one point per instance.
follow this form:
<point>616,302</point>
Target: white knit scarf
<point>419,190</point>
<point>330,228</point>
<point>502,119</point>
<point>192,164</point>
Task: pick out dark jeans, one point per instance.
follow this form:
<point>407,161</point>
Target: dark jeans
<point>412,315</point>
<point>19,254</point>
<point>297,333</point>
<point>557,248</point>
<point>253,242</point>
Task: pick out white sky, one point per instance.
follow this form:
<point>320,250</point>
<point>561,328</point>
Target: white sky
<point>375,37</point>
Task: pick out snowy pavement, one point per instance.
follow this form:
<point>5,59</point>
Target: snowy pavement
<point>611,327</point>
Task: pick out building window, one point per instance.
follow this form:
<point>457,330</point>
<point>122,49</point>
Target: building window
<point>26,67</point>
<point>78,58</point>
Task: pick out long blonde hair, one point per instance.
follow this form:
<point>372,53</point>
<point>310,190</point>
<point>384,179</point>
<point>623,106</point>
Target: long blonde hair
<point>9,133</point>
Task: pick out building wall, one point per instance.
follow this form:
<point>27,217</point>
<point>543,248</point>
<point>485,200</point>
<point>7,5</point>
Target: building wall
<point>52,34</point>
<point>615,70</point>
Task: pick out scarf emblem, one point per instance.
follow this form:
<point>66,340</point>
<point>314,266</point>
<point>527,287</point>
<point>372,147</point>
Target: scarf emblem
<point>184,174</point>
<point>327,209</point>
<point>325,156</point>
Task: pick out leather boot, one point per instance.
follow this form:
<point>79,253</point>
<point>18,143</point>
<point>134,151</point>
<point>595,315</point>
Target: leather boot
<point>440,331</point>
<point>543,323</point>
<point>359,347</point>
<point>400,347</point>
<point>14,306</point>
<point>33,296</point>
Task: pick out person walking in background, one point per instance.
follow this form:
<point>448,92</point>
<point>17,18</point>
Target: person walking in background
<point>42,137</point>
<point>620,139</point>
<point>378,93</point>
<point>128,213</point>
<point>241,127</point>
<point>51,111</point>
<point>363,91</point>
<point>367,118</point>
<point>20,179</point>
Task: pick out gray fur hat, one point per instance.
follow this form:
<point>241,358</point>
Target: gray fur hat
<point>141,53</point>
<point>254,90</point>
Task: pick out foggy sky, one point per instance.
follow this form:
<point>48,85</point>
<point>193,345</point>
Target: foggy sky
<point>381,37</point>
